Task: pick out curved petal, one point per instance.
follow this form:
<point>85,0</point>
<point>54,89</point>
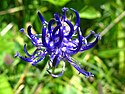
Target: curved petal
<point>26,59</point>
<point>90,45</point>
<point>42,56</point>
<point>60,38</point>
<point>78,47</point>
<point>78,67</point>
<point>44,36</point>
<point>33,59</point>
<point>57,75</point>
<point>41,18</point>
<point>50,25</point>
<point>55,30</point>
<point>65,10</point>
<point>56,60</point>
<point>33,38</point>
<point>91,33</point>
<point>57,18</point>
<point>23,58</point>
<point>59,35</point>
<point>29,31</point>
<point>16,55</point>
<point>77,19</point>
<point>36,51</point>
<point>38,56</point>
<point>25,50</point>
<point>22,30</point>
<point>71,32</point>
<point>55,57</point>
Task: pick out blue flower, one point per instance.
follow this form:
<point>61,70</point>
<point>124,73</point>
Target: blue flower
<point>60,39</point>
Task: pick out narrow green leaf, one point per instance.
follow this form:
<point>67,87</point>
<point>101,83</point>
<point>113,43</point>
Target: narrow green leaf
<point>58,2</point>
<point>89,12</point>
<point>5,87</point>
<point>110,53</point>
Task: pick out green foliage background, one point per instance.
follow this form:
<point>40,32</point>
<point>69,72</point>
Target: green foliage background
<point>106,61</point>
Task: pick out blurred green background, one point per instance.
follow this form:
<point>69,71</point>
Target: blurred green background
<point>106,60</point>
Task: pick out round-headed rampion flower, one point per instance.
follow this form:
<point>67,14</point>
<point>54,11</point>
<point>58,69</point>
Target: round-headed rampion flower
<point>59,40</point>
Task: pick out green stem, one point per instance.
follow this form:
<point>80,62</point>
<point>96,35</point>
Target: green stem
<point>113,23</point>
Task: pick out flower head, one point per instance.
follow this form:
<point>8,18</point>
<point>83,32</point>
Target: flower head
<point>58,42</point>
